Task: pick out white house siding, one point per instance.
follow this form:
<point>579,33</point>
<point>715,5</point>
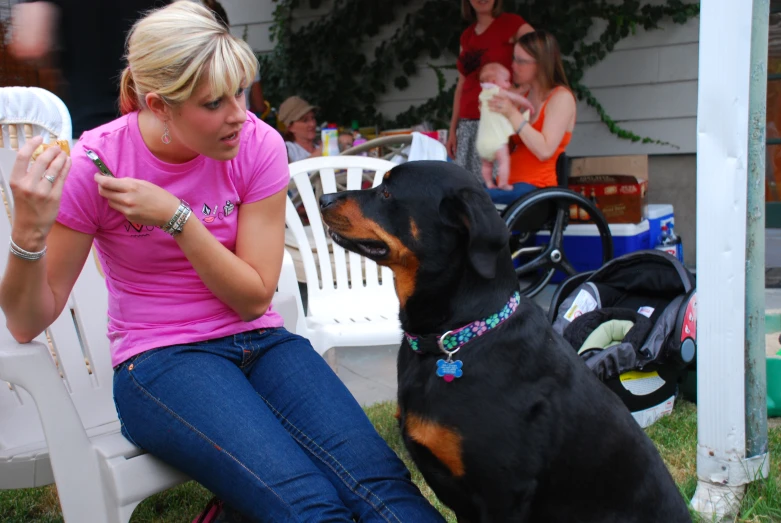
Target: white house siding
<point>648,85</point>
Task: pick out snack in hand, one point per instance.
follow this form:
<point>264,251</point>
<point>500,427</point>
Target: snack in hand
<point>62,143</point>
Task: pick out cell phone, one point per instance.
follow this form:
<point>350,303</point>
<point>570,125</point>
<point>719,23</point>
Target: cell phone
<point>99,163</point>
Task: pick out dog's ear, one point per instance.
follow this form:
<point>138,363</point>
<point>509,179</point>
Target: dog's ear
<point>473,211</point>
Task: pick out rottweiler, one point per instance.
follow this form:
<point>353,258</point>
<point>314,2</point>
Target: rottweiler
<point>503,419</point>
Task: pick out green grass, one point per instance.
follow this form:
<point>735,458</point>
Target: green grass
<point>675,436</point>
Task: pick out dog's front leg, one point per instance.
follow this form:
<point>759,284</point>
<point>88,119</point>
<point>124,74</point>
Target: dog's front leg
<point>509,502</point>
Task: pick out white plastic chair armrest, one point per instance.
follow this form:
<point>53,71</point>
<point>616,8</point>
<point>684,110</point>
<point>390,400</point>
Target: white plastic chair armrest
<point>31,367</point>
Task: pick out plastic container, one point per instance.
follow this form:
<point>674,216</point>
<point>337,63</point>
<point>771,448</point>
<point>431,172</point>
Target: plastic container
<point>583,246</point>
<point>658,214</point>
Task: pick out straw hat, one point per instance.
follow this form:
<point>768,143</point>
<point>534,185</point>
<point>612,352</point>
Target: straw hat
<point>293,109</point>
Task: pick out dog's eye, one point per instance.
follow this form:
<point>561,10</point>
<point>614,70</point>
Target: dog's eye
<point>385,193</point>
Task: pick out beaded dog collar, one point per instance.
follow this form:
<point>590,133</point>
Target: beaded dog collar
<point>452,341</point>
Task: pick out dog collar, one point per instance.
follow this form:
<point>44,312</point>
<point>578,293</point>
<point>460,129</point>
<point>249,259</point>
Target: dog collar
<point>451,342</point>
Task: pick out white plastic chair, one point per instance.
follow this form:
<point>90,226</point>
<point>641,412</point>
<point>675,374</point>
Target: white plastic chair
<point>31,111</point>
<point>349,301</point>
<point>59,424</point>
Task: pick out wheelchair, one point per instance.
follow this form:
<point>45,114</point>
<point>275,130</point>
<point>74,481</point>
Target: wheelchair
<point>536,261</point>
<point>537,258</point>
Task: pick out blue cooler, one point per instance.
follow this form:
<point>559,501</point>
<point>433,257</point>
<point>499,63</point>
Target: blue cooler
<point>583,246</point>
<point>658,214</point>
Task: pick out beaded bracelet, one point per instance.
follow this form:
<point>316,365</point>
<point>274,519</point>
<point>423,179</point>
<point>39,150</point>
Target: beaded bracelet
<point>524,121</point>
<point>25,255</point>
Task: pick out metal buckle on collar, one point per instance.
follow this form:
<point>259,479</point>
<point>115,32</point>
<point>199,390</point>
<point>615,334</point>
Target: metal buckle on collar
<point>441,345</point>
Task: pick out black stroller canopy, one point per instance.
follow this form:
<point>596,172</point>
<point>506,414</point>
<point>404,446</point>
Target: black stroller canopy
<point>653,273</point>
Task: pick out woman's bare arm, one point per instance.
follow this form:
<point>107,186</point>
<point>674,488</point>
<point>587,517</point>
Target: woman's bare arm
<point>34,293</point>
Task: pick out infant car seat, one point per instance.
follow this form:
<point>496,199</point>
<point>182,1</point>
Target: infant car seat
<point>633,322</point>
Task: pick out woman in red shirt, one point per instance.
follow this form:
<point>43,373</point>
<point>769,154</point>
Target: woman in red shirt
<point>539,141</point>
<point>489,38</point>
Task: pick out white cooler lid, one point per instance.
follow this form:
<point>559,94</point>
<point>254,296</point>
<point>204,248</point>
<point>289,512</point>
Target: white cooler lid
<point>657,210</point>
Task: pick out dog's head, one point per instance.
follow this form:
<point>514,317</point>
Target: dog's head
<point>425,218</point>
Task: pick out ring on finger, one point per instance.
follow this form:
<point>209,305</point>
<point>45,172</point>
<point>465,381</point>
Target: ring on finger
<point>50,178</point>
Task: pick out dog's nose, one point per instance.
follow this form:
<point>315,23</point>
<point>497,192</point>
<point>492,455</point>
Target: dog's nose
<point>327,199</point>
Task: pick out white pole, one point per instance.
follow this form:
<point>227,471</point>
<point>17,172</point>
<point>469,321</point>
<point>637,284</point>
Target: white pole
<point>731,410</point>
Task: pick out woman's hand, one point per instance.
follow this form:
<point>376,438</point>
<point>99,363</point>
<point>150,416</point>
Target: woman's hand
<point>36,193</point>
<point>451,143</point>
<point>509,104</point>
<point>521,102</point>
<point>501,103</point>
<point>140,201</point>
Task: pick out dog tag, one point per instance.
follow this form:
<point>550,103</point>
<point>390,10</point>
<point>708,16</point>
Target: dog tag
<point>449,370</point>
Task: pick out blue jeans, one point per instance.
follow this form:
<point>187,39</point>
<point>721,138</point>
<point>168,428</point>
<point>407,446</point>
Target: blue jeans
<point>261,420</point>
<point>508,197</point>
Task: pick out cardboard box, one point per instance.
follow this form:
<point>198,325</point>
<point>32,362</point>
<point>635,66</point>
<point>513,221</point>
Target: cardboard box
<point>631,165</point>
<point>617,184</point>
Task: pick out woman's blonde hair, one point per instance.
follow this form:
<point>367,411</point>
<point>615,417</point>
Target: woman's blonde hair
<point>468,12</point>
<point>544,48</point>
<point>171,49</point>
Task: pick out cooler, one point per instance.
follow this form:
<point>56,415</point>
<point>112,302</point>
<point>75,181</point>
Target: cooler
<point>583,245</point>
<point>658,214</point>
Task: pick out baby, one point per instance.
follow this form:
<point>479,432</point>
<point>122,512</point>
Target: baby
<point>494,129</point>
<point>345,140</point>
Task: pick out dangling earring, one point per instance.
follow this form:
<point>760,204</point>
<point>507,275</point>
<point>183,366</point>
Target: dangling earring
<point>166,136</point>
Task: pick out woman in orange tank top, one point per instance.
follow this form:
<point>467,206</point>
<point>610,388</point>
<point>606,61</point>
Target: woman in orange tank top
<point>538,142</point>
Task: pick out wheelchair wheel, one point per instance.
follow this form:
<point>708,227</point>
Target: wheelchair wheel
<point>547,209</point>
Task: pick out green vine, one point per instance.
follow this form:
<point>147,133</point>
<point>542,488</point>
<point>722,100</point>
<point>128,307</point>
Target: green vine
<point>343,62</point>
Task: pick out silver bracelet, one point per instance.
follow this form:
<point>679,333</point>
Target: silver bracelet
<point>23,254</point>
<point>179,225</point>
<point>180,217</point>
<point>179,211</point>
<point>524,121</point>
<point>177,214</point>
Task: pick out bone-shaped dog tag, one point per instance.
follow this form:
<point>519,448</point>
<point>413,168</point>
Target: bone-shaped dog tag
<point>449,370</point>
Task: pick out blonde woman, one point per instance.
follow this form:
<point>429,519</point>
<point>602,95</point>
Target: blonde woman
<point>190,235</point>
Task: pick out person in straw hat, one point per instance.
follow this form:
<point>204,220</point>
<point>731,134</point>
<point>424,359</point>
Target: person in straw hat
<point>300,134</point>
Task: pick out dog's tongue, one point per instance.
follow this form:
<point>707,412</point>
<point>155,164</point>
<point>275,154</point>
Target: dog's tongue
<point>448,377</point>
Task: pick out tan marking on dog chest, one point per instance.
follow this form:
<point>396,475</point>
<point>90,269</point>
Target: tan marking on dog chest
<point>443,442</point>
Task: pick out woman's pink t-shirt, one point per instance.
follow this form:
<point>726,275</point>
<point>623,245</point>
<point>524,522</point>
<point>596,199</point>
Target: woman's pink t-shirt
<point>156,298</point>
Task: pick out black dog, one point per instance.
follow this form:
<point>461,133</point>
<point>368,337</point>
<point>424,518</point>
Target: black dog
<point>510,425</point>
